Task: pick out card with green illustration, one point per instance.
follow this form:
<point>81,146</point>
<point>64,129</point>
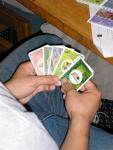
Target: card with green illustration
<point>78,73</point>
<point>47,56</point>
<point>66,59</point>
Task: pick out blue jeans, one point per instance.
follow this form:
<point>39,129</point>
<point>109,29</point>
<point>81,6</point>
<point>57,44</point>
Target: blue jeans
<point>49,106</point>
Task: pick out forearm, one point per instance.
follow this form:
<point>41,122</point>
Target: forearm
<point>77,136</point>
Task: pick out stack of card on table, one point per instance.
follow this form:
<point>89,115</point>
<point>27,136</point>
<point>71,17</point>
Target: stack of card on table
<point>63,62</point>
<point>104,16</point>
<point>93,2</point>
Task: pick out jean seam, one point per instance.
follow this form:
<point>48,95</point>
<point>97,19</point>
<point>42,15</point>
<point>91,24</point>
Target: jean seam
<point>46,116</point>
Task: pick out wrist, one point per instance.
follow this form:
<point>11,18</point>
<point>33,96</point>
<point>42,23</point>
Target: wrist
<point>81,126</point>
<point>78,134</point>
<point>81,118</point>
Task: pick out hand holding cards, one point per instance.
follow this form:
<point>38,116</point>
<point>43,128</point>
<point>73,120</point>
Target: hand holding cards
<point>63,62</point>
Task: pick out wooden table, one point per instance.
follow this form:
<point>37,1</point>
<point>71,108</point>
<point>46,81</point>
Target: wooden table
<point>67,15</point>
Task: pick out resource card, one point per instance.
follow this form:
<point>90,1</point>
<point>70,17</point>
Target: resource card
<point>67,58</point>
<point>103,17</point>
<point>47,58</point>
<point>63,62</point>
<point>78,73</point>
<point>56,53</point>
<point>36,58</point>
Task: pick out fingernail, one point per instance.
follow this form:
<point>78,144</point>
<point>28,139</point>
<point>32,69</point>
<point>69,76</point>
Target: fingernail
<point>52,87</point>
<point>58,83</point>
<point>64,96</point>
<point>56,78</point>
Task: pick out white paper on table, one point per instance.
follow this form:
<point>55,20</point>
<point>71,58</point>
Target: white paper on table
<point>103,43</point>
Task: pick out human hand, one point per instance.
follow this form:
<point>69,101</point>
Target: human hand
<point>24,84</point>
<point>81,104</point>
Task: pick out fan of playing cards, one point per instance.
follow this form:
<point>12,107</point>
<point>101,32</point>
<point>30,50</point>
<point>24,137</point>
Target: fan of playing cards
<point>63,62</point>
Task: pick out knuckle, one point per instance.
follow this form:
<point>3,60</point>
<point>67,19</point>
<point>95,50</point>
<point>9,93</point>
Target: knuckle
<point>48,78</point>
<point>22,66</point>
<point>99,93</point>
<point>45,79</point>
<point>51,79</point>
<point>71,92</point>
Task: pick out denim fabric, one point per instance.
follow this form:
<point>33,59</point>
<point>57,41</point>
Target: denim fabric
<point>100,140</point>
<point>45,104</point>
<point>49,106</point>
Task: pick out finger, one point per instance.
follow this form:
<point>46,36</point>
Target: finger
<point>45,80</point>
<point>42,88</point>
<point>25,99</point>
<point>28,67</point>
<point>66,85</point>
<point>24,69</point>
<point>64,96</point>
<point>31,69</point>
<point>58,83</point>
<point>51,87</point>
<point>62,90</point>
<point>82,89</point>
<point>90,86</point>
